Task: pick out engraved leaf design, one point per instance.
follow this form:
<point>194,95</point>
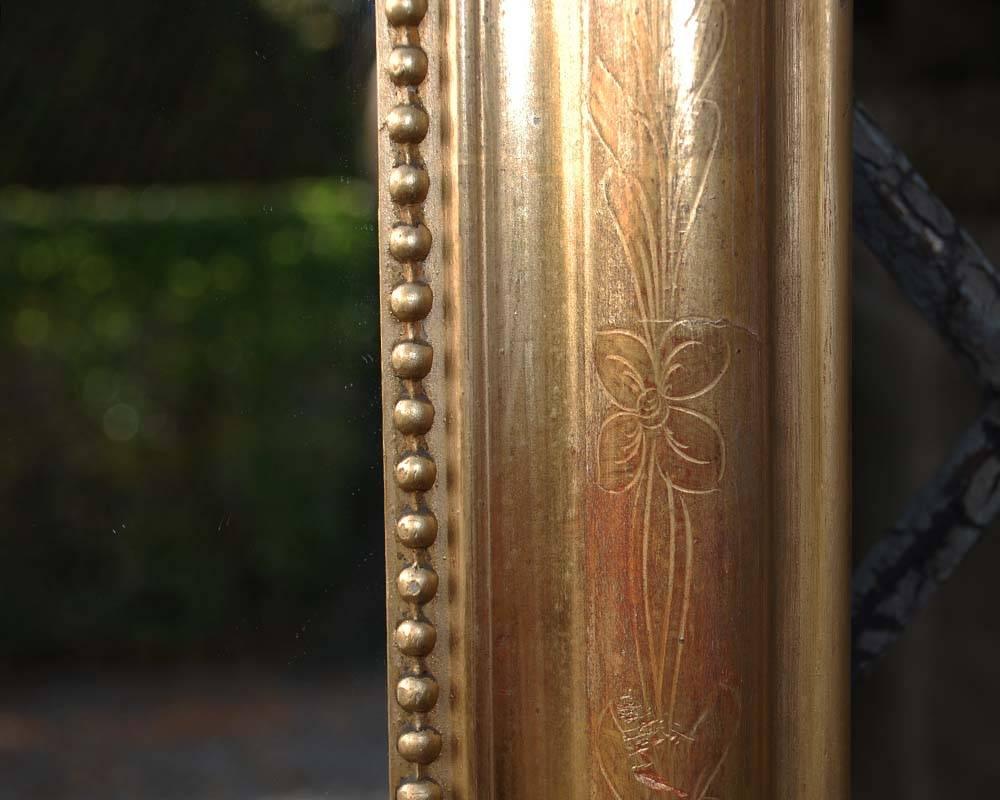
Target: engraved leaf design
<point>607,107</point>
<point>695,140</point>
<point>695,121</point>
<point>612,753</point>
<point>683,765</point>
<point>624,367</point>
<point>712,734</point>
<point>691,457</point>
<point>693,355</point>
<point>705,29</point>
<point>621,451</point>
<point>645,49</point>
<point>634,214</point>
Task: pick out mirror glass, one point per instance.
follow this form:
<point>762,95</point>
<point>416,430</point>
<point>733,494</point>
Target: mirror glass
<point>190,470</point>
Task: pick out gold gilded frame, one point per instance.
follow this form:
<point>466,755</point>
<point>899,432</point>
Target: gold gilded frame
<point>615,342</point>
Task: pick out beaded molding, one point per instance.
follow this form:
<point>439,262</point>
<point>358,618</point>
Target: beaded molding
<point>413,415</point>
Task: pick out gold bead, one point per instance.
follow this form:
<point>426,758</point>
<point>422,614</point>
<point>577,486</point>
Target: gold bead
<point>411,301</point>
<point>408,184</point>
<point>416,473</point>
<point>412,360</point>
<point>415,638</point>
<point>407,65</point>
<point>419,747</point>
<point>417,694</point>
<point>413,416</point>
<point>409,242</point>
<point>417,584</point>
<point>419,790</point>
<point>407,124</point>
<point>405,12</point>
<point>417,529</point>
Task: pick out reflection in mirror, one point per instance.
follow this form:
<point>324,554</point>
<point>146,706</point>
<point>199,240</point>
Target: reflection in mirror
<point>190,498</point>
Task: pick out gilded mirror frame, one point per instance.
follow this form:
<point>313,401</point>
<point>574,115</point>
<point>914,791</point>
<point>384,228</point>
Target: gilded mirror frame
<point>615,328</point>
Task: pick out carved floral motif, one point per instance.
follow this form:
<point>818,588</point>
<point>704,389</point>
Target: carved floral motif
<point>657,444</point>
<point>652,419</point>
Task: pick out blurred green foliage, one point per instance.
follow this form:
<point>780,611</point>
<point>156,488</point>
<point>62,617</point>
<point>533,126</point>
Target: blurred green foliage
<point>136,91</point>
<point>189,427</point>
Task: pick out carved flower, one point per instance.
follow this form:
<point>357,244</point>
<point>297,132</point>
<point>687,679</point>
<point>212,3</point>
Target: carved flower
<point>652,424</point>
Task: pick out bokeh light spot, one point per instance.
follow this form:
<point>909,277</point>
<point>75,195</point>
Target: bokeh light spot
<point>187,278</point>
<point>93,274</point>
<point>114,325</point>
<point>31,327</point>
<point>100,387</point>
<point>121,422</point>
<point>228,272</point>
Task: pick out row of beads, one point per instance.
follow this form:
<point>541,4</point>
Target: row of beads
<point>415,473</point>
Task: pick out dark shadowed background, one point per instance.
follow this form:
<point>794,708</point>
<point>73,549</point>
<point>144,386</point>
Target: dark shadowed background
<point>924,722</point>
<point>190,488</point>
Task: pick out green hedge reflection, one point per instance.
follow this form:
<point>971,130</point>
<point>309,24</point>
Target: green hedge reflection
<point>190,454</point>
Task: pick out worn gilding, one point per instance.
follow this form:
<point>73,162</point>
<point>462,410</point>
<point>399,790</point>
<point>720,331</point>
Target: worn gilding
<point>635,374</point>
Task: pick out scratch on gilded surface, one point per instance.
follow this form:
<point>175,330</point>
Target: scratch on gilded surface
<point>721,322</point>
